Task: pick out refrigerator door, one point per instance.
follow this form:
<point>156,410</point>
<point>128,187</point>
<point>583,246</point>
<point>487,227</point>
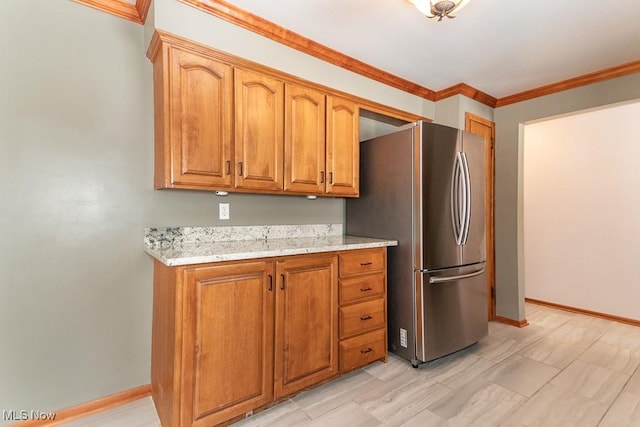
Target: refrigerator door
<point>474,249</point>
<point>435,181</point>
<point>454,310</point>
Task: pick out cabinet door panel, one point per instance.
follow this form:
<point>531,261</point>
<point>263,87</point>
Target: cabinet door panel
<point>201,114</point>
<point>304,166</point>
<point>228,343</point>
<point>343,147</point>
<point>259,131</point>
<point>306,343</point>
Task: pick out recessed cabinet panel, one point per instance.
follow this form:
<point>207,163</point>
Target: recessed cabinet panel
<point>259,107</point>
<point>343,147</point>
<point>200,128</point>
<point>304,140</point>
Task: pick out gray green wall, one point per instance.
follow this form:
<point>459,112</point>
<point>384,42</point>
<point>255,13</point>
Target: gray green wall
<point>76,188</point>
<point>509,186</point>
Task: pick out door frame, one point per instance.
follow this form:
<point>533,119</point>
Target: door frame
<point>490,207</point>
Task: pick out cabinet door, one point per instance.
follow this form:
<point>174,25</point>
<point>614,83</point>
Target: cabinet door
<point>304,142</point>
<point>200,100</point>
<point>259,125</point>
<point>228,341</point>
<point>343,147</point>
<point>306,343</point>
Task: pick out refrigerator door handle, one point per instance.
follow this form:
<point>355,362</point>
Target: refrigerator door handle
<point>433,280</point>
<point>458,212</point>
<point>466,199</point>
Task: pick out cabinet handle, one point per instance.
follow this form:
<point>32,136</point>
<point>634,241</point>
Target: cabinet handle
<point>239,168</point>
<point>364,264</point>
<point>367,317</point>
<point>330,177</point>
<point>368,350</point>
<point>282,286</point>
<point>367,289</point>
<point>270,283</point>
<point>321,177</point>
<point>228,167</point>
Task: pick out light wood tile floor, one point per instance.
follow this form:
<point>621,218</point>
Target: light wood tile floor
<point>564,369</point>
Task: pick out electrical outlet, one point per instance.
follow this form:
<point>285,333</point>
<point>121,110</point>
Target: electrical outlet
<point>403,337</point>
<point>223,210</point>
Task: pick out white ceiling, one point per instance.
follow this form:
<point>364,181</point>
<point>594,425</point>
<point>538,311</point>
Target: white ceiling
<point>500,47</point>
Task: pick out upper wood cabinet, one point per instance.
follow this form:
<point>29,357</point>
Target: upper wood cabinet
<point>222,123</point>
<point>193,98</point>
<point>259,130</point>
<point>343,147</point>
<point>321,143</point>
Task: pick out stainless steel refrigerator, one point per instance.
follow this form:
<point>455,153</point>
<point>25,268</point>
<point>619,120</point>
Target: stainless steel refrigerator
<point>424,186</point>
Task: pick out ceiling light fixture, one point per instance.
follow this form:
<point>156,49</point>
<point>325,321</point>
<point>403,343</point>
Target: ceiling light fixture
<point>439,8</point>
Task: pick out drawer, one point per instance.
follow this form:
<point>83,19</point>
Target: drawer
<point>360,288</point>
<point>364,317</point>
<point>362,350</point>
<point>361,261</point>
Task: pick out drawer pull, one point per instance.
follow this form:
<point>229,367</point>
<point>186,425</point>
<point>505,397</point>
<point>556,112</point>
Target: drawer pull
<point>368,350</point>
<point>367,289</point>
<point>270,283</point>
<point>364,264</point>
<point>366,317</point>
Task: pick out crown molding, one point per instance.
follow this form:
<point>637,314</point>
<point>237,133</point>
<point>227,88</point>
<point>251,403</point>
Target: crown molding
<point>586,79</point>
<point>469,92</point>
<point>240,17</point>
<point>142,6</point>
<point>261,26</point>
<point>133,12</point>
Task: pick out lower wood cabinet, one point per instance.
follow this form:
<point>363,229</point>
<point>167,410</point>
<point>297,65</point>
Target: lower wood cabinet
<point>232,337</point>
<point>306,341</point>
<point>363,307</point>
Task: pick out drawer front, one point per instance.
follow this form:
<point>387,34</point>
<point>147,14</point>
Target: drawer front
<point>361,261</point>
<point>361,288</point>
<point>358,318</point>
<point>362,350</point>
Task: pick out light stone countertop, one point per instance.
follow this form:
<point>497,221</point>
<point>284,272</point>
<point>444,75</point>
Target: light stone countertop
<point>196,245</point>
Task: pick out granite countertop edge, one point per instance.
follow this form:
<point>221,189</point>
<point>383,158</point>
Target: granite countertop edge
<point>201,253</point>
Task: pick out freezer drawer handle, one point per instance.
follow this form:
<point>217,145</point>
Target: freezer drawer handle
<point>454,278</point>
<point>368,350</point>
<point>366,317</point>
